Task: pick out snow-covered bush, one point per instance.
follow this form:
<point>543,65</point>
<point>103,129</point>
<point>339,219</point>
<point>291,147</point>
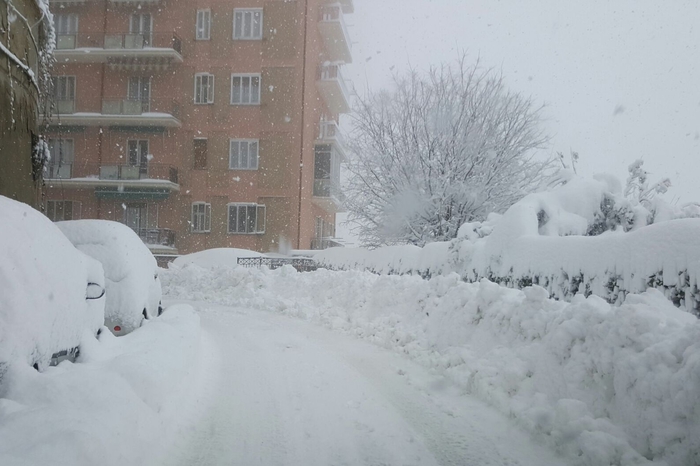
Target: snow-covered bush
<point>582,236</point>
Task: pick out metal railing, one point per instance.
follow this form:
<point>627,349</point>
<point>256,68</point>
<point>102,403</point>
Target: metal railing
<point>157,236</point>
<point>334,73</point>
<point>334,14</point>
<point>149,171</point>
<point>329,130</point>
<point>324,243</point>
<point>119,41</point>
<point>301,264</point>
<point>65,107</point>
<point>136,107</point>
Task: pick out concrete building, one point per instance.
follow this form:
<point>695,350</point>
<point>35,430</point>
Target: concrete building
<point>201,123</point>
<point>23,40</point>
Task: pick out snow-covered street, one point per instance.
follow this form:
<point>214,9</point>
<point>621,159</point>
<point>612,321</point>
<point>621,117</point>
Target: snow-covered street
<point>285,392</point>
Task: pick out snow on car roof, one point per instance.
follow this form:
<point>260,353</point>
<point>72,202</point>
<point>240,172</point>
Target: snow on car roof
<point>114,244</point>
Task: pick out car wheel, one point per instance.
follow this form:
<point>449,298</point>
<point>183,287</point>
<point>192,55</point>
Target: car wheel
<point>145,313</point>
<point>160,307</point>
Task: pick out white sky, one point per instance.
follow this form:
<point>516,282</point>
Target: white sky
<point>582,58</point>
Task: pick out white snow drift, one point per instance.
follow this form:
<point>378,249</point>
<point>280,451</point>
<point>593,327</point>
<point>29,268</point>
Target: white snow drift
<point>581,237</point>
<point>602,384</point>
<point>121,404</point>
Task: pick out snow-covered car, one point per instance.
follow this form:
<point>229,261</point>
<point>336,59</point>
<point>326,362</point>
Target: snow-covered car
<point>133,290</point>
<point>51,295</point>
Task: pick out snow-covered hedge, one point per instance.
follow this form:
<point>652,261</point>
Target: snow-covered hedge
<point>603,385</point>
<point>581,237</point>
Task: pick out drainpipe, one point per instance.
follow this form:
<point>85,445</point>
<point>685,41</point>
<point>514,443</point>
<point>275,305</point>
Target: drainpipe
<point>303,113</point>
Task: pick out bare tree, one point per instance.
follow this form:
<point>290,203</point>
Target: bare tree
<point>440,150</point>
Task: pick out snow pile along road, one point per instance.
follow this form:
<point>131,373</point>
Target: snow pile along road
<point>122,403</point>
<point>601,384</point>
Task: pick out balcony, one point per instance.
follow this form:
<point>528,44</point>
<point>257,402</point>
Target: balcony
<point>65,3</point>
<point>116,181</point>
<point>328,196</point>
<point>333,89</point>
<point>348,6</point>
<point>157,237</point>
<point>152,113</point>
<point>324,243</point>
<point>329,133</point>
<point>334,33</point>
<point>135,52</point>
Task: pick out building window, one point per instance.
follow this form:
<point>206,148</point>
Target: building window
<point>243,154</point>
<point>65,24</point>
<point>58,211</point>
<point>63,88</point>
<point>140,91</point>
<point>245,89</point>
<point>246,219</point>
<point>201,217</point>
<point>203,26</point>
<point>138,159</point>
<point>203,88</point>
<point>140,28</point>
<point>62,157</point>
<point>200,154</point>
<point>247,24</point>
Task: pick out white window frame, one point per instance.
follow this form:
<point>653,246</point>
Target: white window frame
<point>201,221</point>
<point>202,25</point>
<point>64,85</point>
<point>238,143</point>
<point>198,80</point>
<point>257,228</point>
<point>63,202</point>
<point>66,24</point>
<point>245,13</point>
<point>246,76</point>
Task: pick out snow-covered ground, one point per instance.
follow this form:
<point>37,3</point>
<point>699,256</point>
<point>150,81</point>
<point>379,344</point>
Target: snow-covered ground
<point>121,404</point>
<point>600,384</point>
<point>287,392</point>
<point>448,373</point>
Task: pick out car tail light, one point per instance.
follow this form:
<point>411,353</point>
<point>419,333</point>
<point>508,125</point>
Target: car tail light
<point>117,328</point>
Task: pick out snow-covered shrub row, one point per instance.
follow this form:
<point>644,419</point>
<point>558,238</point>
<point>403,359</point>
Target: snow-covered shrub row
<point>581,237</point>
<point>122,403</point>
<point>601,384</point>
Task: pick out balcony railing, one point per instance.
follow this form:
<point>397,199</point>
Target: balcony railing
<point>157,236</point>
<point>324,243</point>
<point>327,188</point>
<point>335,32</point>
<point>334,88</point>
<point>65,107</point>
<point>110,172</point>
<point>330,131</point>
<point>119,41</point>
<point>122,106</point>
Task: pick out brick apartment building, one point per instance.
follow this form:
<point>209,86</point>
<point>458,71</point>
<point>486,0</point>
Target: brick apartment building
<point>200,123</point>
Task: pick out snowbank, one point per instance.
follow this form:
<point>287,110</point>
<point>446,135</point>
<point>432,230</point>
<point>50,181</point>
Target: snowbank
<point>217,257</point>
<point>581,237</point>
<point>121,404</point>
<point>603,385</point>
